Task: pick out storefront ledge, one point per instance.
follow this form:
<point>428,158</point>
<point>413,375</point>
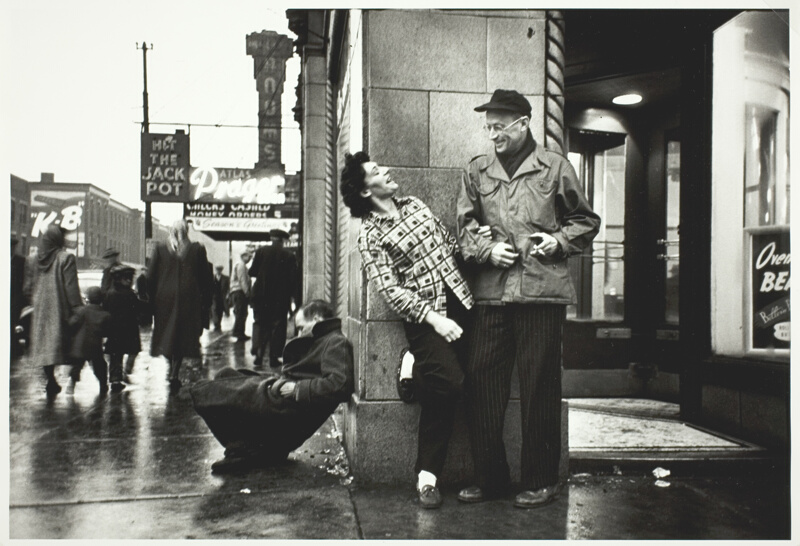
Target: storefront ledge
<point>381,442</point>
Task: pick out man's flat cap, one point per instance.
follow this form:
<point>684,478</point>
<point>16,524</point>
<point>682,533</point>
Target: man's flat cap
<point>278,233</point>
<point>509,100</point>
<point>110,253</point>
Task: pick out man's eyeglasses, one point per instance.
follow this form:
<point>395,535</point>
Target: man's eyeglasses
<point>498,128</point>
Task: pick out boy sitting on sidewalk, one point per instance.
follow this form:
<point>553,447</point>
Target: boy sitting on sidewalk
<point>261,417</point>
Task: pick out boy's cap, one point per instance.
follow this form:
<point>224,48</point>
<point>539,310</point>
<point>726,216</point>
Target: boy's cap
<point>94,295</point>
<point>110,253</point>
<point>122,270</point>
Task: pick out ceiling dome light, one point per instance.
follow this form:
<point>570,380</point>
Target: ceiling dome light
<point>627,99</point>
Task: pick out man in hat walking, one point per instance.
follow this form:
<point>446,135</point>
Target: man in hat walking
<point>276,285</point>
<point>533,201</point>
<point>219,292</point>
<point>111,259</point>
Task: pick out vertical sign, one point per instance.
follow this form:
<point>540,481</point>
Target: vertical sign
<point>165,167</point>
<point>770,271</point>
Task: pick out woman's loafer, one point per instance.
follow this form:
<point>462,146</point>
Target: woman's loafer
<point>405,386</point>
<point>430,497</point>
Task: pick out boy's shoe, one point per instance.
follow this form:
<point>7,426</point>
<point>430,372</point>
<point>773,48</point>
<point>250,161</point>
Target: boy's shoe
<point>70,387</point>
<point>52,388</point>
<point>117,386</point>
<point>175,386</point>
<point>103,388</point>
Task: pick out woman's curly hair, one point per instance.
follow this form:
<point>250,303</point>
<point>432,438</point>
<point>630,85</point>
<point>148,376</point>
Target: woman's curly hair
<point>353,184</point>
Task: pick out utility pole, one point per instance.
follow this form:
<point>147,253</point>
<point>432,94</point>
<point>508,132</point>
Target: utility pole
<point>148,216</point>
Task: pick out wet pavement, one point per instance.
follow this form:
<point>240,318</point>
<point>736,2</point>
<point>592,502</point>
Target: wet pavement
<point>135,465</point>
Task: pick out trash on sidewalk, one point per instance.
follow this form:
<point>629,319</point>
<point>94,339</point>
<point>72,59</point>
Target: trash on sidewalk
<point>617,470</point>
<point>245,491</point>
<point>662,483</point>
<point>661,472</point>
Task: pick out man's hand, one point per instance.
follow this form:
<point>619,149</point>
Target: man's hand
<point>503,256</point>
<point>445,327</point>
<point>544,244</point>
<point>287,389</point>
<point>485,232</point>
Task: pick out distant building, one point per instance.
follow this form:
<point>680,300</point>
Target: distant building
<point>93,220</point>
<point>20,217</point>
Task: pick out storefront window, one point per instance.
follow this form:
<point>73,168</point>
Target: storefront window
<point>750,169</point>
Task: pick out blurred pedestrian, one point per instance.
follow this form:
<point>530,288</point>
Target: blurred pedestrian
<point>146,313</point>
<point>261,417</point>
<point>89,325</point>
<point>275,288</point>
<point>110,259</point>
<point>219,294</point>
<point>123,336</point>
<point>179,285</point>
<point>17,300</point>
<point>240,294</point>
<point>56,297</point>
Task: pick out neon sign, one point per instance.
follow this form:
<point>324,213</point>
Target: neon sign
<point>243,187</point>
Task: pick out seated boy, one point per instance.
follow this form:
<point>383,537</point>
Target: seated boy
<point>261,417</point>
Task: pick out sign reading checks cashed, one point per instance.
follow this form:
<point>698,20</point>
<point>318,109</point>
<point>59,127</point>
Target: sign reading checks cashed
<point>770,271</point>
<point>165,167</point>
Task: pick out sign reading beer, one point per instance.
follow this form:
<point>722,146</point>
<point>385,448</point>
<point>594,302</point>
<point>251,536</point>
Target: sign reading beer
<point>770,271</point>
<point>165,167</point>
<point>258,186</point>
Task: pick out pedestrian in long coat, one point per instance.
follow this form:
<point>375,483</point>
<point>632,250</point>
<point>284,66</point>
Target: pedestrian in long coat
<point>276,285</point>
<point>55,297</point>
<point>179,285</point>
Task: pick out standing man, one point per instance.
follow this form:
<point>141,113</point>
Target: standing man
<point>111,258</point>
<point>275,286</point>
<point>219,292</point>
<point>240,294</point>
<point>533,201</point>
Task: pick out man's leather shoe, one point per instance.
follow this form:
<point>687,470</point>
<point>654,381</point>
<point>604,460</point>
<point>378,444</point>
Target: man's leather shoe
<point>430,497</point>
<point>534,499</point>
<point>471,494</point>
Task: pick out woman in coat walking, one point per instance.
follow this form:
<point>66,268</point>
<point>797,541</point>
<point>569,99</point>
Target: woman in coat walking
<point>179,286</point>
<point>55,296</point>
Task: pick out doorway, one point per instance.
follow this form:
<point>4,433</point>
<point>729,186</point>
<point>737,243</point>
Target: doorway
<point>623,336</point>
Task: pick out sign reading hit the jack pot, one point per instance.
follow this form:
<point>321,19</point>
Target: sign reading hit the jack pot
<point>771,268</point>
<point>165,167</point>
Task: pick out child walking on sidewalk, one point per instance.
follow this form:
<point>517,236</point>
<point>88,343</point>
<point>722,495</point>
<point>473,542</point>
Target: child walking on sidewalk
<point>123,337</point>
<point>90,324</point>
